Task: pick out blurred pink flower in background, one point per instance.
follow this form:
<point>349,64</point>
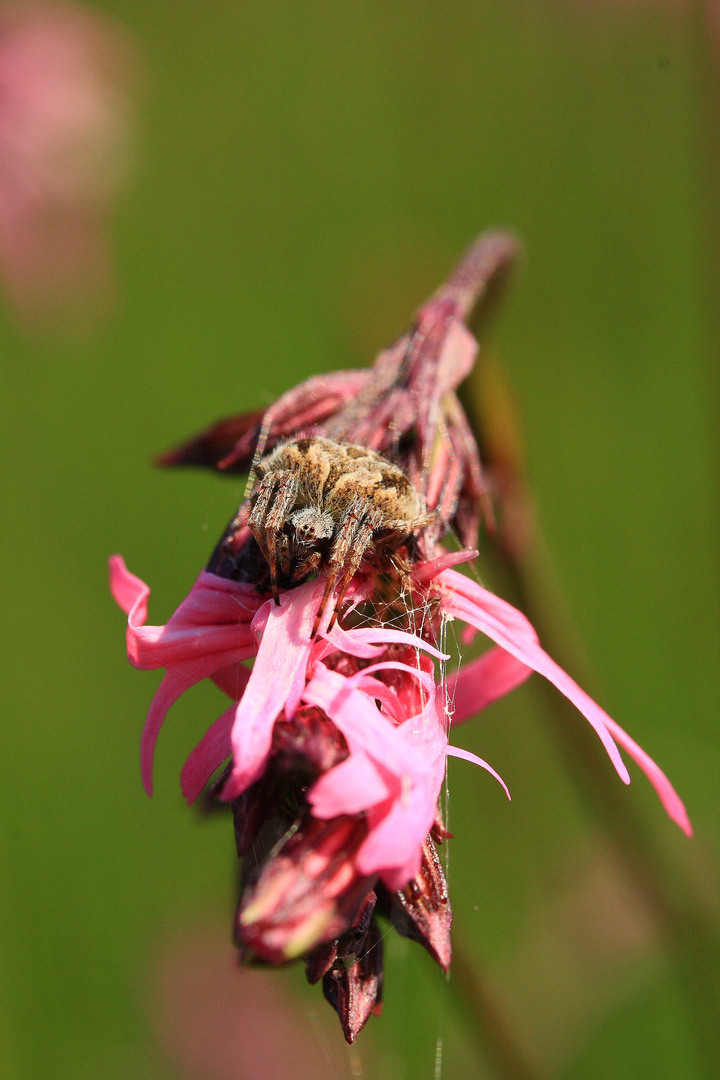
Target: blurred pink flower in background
<point>65,76</point>
<point>219,1022</point>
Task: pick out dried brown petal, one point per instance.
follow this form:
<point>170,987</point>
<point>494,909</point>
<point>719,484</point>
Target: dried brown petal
<point>321,960</point>
<point>307,743</point>
<point>259,803</point>
<point>355,990</point>
<point>421,911</point>
<point>216,442</point>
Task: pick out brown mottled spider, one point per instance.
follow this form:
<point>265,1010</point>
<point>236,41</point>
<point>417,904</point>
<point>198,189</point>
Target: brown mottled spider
<point>322,505</point>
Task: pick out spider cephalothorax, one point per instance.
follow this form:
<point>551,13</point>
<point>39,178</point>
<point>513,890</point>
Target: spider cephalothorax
<point>322,505</point>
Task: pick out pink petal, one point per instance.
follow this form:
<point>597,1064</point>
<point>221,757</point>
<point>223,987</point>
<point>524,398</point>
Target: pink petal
<point>350,787</point>
<point>506,626</point>
<point>352,641</point>
<point>360,721</point>
<point>666,792</point>
<point>214,599</point>
<point>214,617</point>
<point>208,755</point>
<point>128,590</point>
<point>422,573</point>
<point>232,680</point>
<point>341,641</point>
<point>162,646</point>
<point>494,610</point>
<point>393,847</point>
<point>277,675</point>
<point>477,684</point>
<point>175,683</point>
<point>426,734</point>
<point>456,751</point>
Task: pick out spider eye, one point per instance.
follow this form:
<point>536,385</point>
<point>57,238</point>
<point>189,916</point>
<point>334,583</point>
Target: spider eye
<point>312,525</point>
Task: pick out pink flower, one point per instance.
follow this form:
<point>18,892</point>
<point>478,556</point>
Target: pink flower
<point>390,711</point>
<point>358,721</point>
<point>64,143</point>
<point>335,743</point>
<point>207,637</point>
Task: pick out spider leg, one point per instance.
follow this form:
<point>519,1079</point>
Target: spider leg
<point>338,554</point>
<point>351,543</point>
<point>282,504</point>
<point>329,586</point>
<point>306,567</point>
<point>262,500</point>
<point>360,542</point>
<point>276,496</point>
<point>285,555</point>
<point>404,528</point>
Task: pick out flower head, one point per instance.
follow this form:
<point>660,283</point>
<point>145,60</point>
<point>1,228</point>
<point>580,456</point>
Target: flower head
<point>354,724</point>
<point>333,750</point>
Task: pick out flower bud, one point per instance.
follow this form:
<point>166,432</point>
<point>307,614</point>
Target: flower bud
<point>421,911</point>
<point>308,892</point>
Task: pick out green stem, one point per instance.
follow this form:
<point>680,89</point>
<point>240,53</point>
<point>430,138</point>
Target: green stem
<point>687,926</point>
<point>488,1027</point>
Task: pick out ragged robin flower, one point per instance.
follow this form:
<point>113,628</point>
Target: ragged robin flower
<point>332,579</point>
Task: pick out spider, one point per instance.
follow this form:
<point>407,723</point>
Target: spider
<point>321,505</point>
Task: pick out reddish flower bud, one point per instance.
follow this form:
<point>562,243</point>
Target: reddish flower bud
<point>421,911</point>
<point>319,962</point>
<point>355,990</point>
<point>308,891</point>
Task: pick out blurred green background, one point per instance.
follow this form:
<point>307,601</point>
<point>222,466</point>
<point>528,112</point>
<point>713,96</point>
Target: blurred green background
<point>305,174</point>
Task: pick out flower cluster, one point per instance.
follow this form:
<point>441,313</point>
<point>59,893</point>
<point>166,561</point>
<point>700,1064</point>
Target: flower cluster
<point>333,750</point>
<point>355,722</point>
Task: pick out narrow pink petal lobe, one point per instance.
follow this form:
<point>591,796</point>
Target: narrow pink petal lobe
<point>173,686</point>
<point>669,798</point>
<point>127,589</point>
<point>357,642</point>
<point>425,572</point>
<point>277,676</point>
<point>466,755</point>
<point>208,755</point>
<point>506,626</point>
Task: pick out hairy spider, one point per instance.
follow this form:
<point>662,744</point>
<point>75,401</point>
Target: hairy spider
<point>322,505</point>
